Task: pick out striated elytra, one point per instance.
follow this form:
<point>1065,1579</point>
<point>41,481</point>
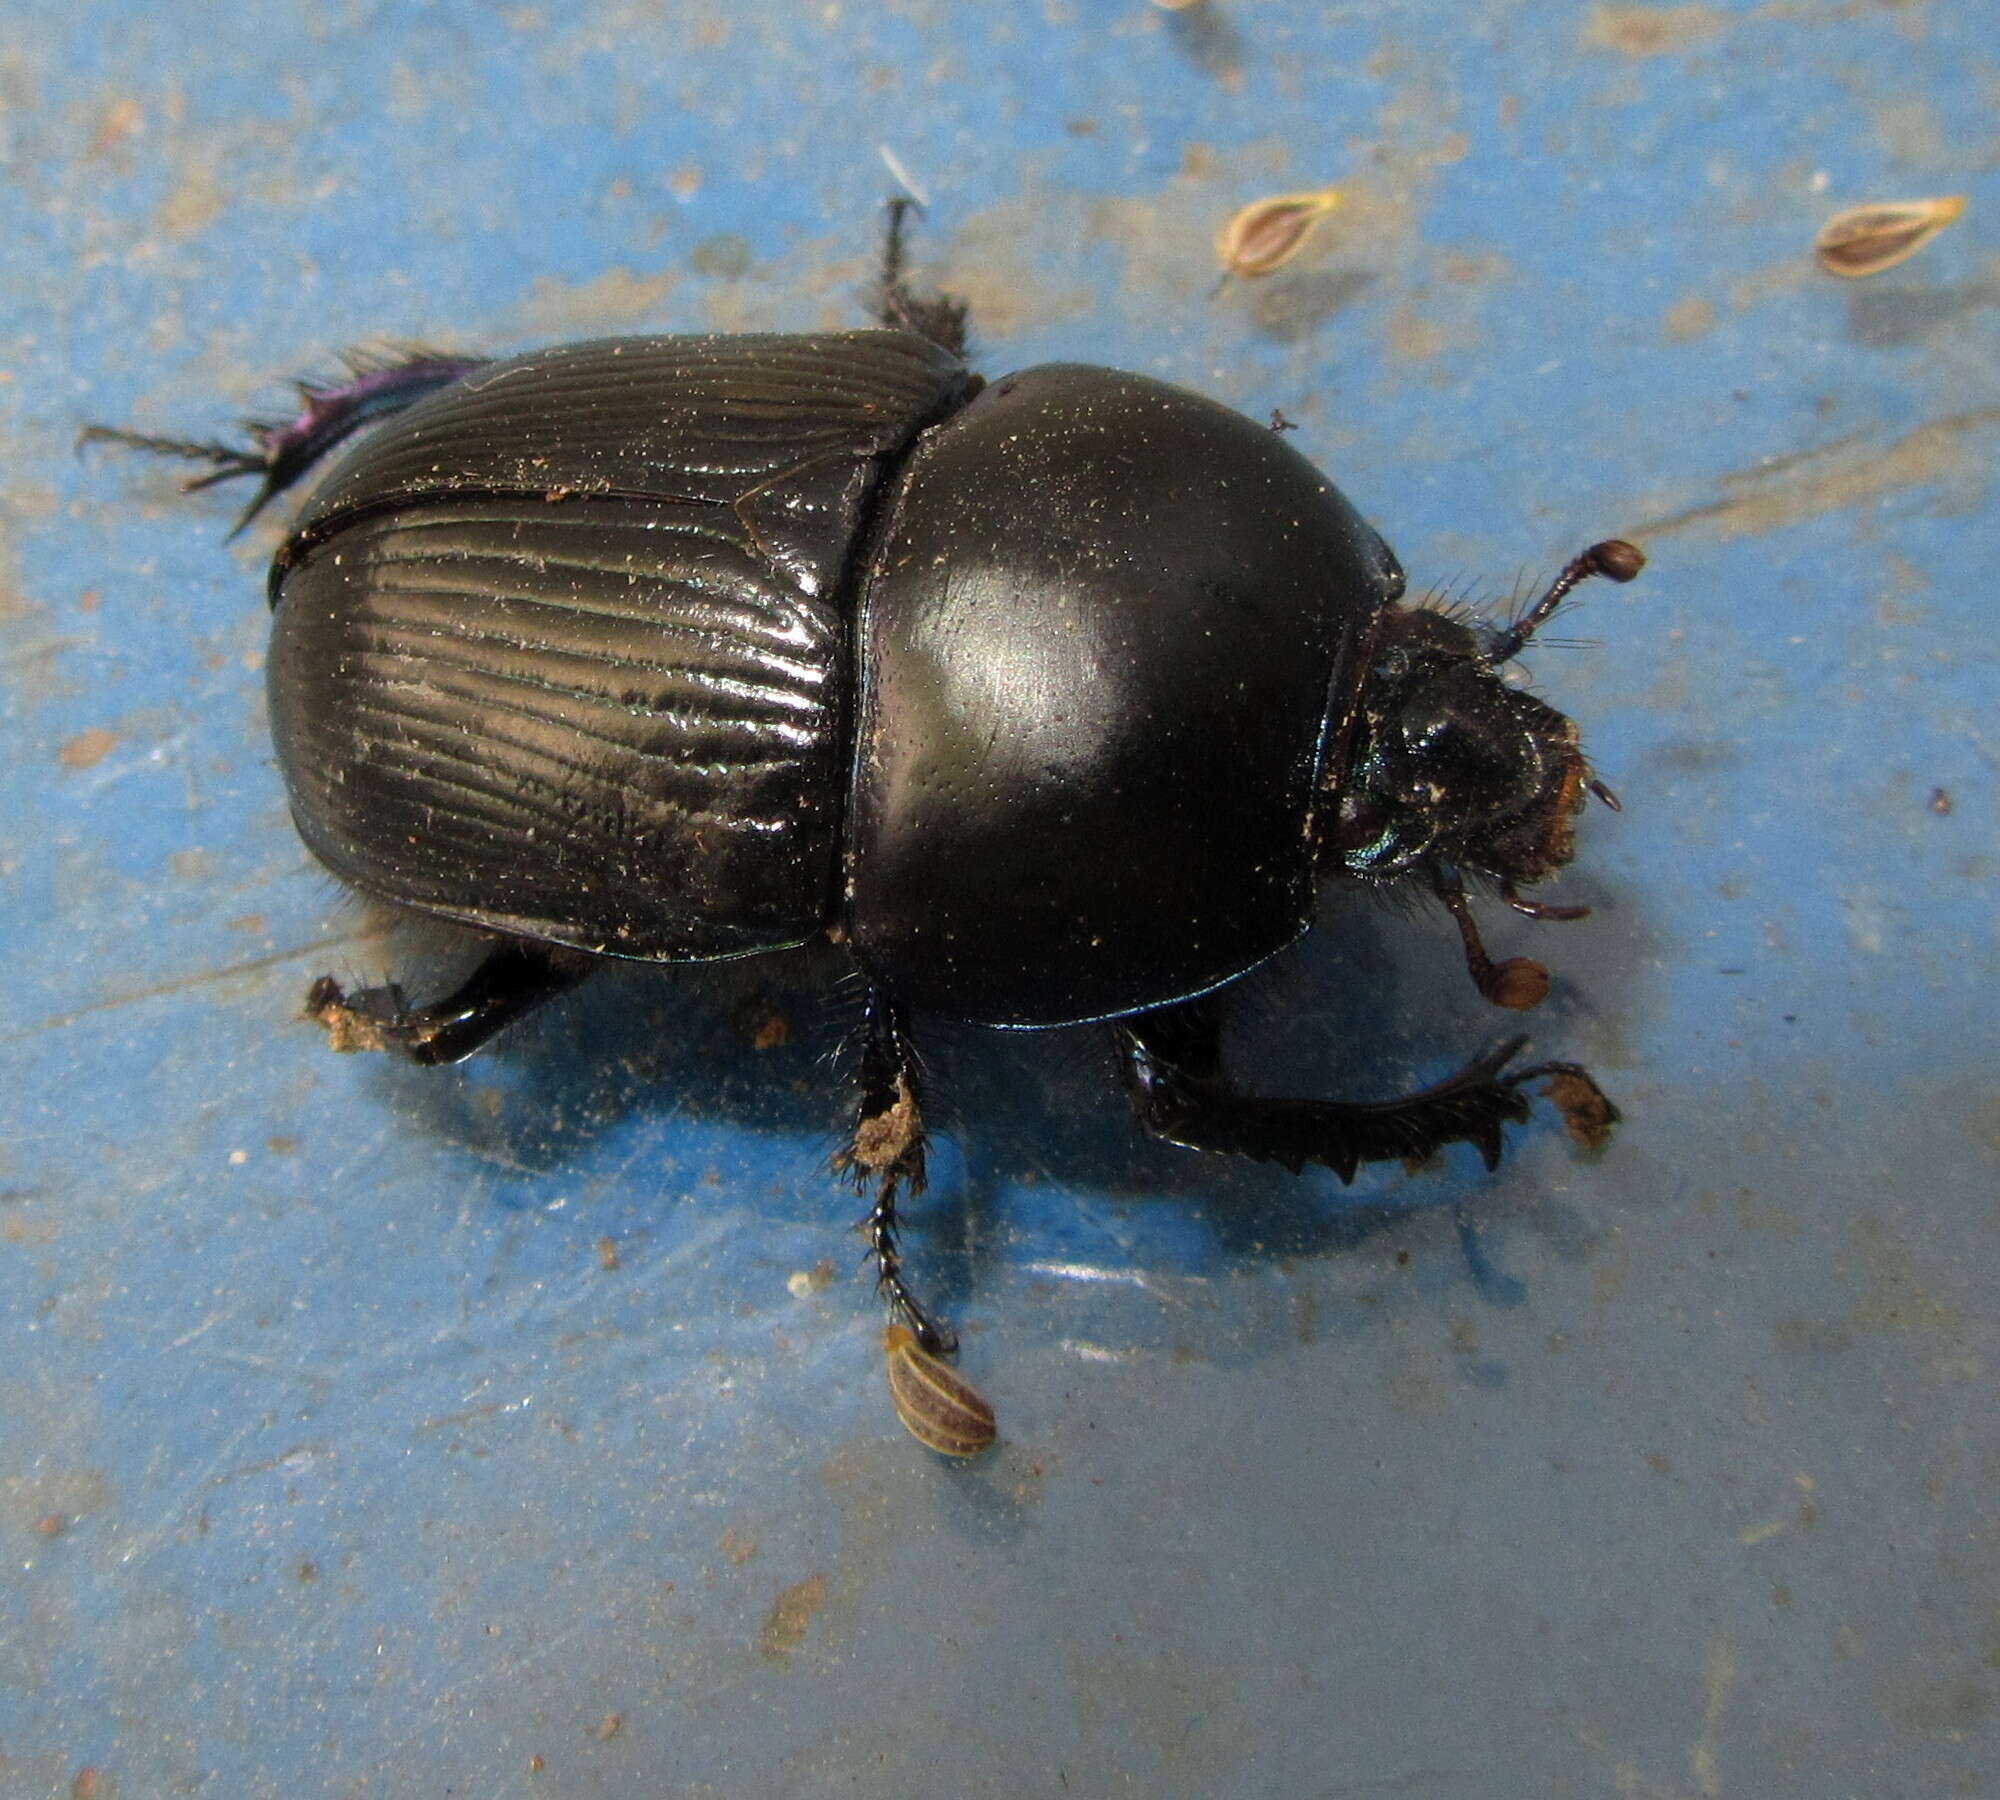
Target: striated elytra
<point>1060,698</point>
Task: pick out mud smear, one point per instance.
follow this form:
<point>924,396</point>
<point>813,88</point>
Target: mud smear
<point>88,748</point>
<point>791,1614</point>
<point>618,300</point>
<point>1643,31</point>
<point>1847,474</point>
<point>1638,31</point>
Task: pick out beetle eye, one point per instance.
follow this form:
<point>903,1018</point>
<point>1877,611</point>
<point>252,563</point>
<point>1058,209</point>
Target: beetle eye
<point>1362,823</point>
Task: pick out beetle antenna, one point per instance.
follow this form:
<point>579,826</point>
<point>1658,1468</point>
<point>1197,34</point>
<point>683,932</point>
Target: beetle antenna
<point>1614,559</point>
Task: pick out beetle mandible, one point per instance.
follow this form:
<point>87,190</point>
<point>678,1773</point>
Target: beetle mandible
<point>1056,698</point>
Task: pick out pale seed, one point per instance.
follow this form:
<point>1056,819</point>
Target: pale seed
<point>941,1410</point>
<point>1865,240</point>
<point>1267,234</point>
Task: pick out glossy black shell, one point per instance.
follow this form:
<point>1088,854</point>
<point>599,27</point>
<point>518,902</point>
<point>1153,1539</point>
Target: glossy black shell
<point>1110,634</point>
<point>561,651</point>
<point>676,648</point>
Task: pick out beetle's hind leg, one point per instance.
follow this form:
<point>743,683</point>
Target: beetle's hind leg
<point>512,981</point>
<point>1173,1068</point>
<point>888,1148</point>
<point>939,317</point>
<point>281,451</point>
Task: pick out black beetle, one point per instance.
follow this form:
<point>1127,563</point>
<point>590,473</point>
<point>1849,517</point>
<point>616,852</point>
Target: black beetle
<point>1056,698</point>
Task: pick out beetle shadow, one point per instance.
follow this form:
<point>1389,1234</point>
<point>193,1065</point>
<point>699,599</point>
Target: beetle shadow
<point>1205,35</point>
<point>1369,1005</point>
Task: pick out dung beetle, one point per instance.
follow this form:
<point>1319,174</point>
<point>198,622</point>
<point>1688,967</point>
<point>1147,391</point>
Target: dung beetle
<point>1054,698</point>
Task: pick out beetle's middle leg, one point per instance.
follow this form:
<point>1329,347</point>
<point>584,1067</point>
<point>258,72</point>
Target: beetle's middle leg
<point>888,1148</point>
<point>939,317</point>
<point>514,979</point>
<point>1173,1067</point>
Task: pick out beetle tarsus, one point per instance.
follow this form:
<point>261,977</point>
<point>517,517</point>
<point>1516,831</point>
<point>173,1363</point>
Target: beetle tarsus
<point>880,1229</point>
<point>1172,1063</point>
<point>888,1148</point>
<point>512,981</point>
<point>1587,1112</point>
<point>939,317</point>
<point>1544,910</point>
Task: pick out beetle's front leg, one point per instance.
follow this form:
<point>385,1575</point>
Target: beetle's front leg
<point>1173,1068</point>
<point>513,980</point>
<point>888,1148</point>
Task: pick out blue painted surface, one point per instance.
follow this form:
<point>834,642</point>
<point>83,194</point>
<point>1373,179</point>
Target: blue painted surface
<point>334,1458</point>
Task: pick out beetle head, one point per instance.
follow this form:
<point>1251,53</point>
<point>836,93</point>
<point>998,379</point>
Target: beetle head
<point>1451,764</point>
<point>1452,772</point>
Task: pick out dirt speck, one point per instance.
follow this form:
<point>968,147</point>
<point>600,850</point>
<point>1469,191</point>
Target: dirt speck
<point>763,1023</point>
<point>804,1282</point>
<point>608,1727</point>
<point>1947,1707</point>
<point>1893,1297</point>
<point>57,1498</point>
<point>347,1030</point>
<point>1799,1334</point>
<point>120,122</point>
<point>791,1613</point>
<point>1982,1125</point>
<point>1688,318</point>
<point>1414,338</point>
<point>1586,1114</point>
<point>194,204</point>
<point>617,300</point>
<point>1650,30</point>
<point>88,748</point>
<point>724,255</point>
<point>886,1138</point>
<point>20,1227</point>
